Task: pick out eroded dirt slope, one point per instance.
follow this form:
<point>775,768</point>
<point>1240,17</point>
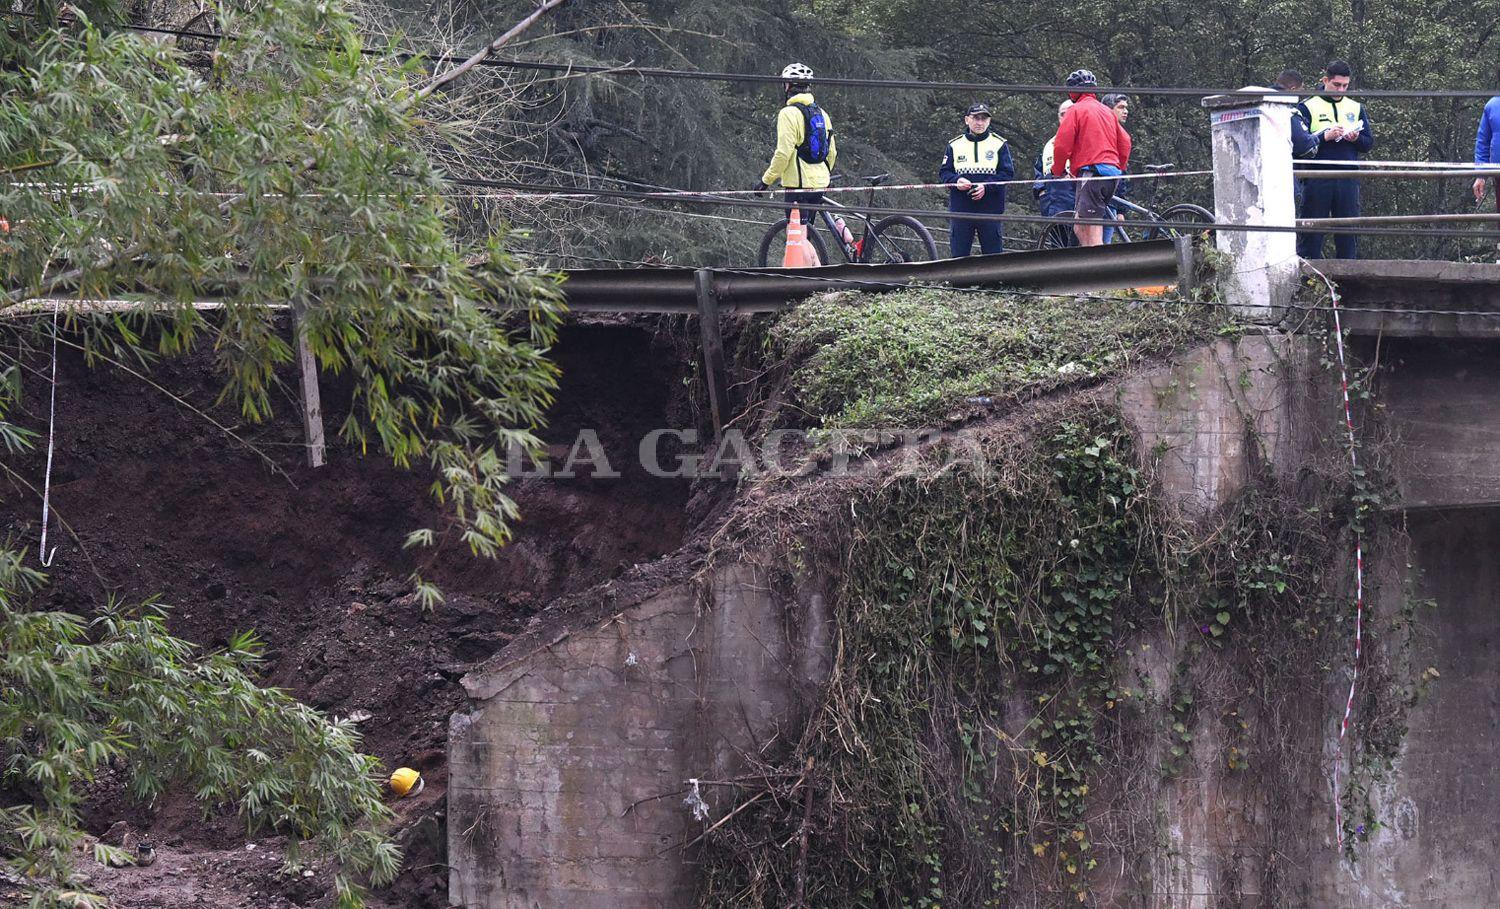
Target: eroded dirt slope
<point>162,503</point>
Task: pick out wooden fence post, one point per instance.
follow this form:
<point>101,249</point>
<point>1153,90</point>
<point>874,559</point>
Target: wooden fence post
<point>307,376</point>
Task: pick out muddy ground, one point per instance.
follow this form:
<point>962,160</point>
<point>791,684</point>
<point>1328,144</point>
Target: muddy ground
<point>159,502</point>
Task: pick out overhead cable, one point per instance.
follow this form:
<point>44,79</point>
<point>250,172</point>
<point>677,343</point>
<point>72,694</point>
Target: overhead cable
<point>656,72</point>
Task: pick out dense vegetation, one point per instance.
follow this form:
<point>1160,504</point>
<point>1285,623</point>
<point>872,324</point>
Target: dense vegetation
<point>1032,643</point>
<point>905,357</point>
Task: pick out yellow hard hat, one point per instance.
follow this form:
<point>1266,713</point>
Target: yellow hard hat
<point>404,779</point>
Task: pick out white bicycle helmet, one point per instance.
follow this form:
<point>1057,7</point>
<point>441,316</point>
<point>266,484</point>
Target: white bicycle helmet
<point>797,72</point>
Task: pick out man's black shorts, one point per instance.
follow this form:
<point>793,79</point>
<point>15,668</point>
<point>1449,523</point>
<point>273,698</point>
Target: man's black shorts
<point>1094,195</point>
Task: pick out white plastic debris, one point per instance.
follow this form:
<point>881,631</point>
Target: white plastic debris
<point>695,801</point>
<point>631,659</point>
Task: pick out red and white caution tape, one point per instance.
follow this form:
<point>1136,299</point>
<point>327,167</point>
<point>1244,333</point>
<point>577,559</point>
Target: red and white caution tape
<point>1359,571</point>
<point>583,193</point>
<point>42,554</point>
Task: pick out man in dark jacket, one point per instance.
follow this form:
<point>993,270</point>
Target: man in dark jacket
<point>1054,195</point>
<point>1342,128</point>
<point>975,162</point>
<point>1119,104</point>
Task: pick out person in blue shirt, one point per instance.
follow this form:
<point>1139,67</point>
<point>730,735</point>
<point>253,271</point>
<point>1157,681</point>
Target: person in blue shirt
<point>974,162</point>
<point>1054,195</point>
<point>1342,127</point>
<point>1487,146</point>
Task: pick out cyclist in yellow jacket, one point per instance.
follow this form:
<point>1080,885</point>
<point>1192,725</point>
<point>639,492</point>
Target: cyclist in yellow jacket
<point>805,148</point>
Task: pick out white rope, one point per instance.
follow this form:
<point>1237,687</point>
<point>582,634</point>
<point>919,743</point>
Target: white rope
<point>43,555</point>
<point>1403,165</point>
<point>677,193</point>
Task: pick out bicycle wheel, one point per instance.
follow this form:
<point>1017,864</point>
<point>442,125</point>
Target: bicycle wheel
<point>774,244</point>
<point>1184,213</point>
<point>897,239</point>
<point>1059,235</point>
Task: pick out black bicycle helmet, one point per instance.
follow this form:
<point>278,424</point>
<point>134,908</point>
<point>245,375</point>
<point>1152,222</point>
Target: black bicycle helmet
<point>1080,78</point>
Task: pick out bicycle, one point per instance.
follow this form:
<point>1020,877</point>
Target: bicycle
<point>892,240</point>
<point>1060,235</point>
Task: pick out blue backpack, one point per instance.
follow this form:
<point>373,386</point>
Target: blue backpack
<point>814,147</point>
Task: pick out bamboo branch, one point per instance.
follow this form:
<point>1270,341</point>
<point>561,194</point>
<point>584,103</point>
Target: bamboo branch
<point>16,169</point>
<point>65,278</point>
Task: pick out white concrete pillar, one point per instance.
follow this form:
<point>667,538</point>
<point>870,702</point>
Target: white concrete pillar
<point>1252,143</point>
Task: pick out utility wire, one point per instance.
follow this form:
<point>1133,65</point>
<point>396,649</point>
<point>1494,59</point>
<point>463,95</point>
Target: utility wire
<point>654,72</point>
<point>575,69</point>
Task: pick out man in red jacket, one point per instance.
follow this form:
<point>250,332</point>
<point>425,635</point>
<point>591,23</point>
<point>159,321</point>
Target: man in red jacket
<point>1091,137</point>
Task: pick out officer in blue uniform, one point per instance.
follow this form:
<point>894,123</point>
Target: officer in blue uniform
<point>1342,129</point>
<point>974,162</point>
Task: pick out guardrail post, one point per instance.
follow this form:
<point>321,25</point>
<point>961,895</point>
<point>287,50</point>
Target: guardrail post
<point>1252,145</point>
<point>715,373</point>
<point>1187,262</point>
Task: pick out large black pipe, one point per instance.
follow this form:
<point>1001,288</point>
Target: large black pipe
<point>1062,271</point>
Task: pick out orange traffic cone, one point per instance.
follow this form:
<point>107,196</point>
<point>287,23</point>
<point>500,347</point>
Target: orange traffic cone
<point>799,250</point>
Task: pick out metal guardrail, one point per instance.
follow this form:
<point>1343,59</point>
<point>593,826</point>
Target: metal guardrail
<point>746,290</point>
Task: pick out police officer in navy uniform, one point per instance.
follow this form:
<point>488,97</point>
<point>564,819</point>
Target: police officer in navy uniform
<point>974,163</point>
<point>1342,128</point>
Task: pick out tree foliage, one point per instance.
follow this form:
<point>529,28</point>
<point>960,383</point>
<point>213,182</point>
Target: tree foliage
<point>286,174</point>
<point>679,133</point>
<point>285,169</point>
<point>79,697</point>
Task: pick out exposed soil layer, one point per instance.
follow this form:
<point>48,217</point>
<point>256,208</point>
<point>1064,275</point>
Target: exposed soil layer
<point>159,502</point>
